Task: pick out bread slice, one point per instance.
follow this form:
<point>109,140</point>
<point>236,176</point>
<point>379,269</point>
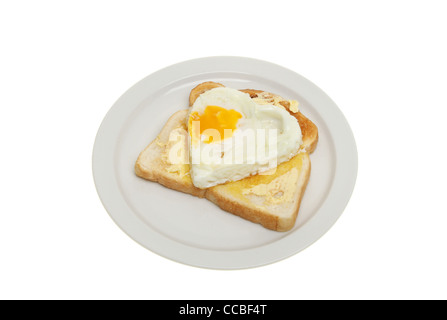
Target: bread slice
<point>272,200</point>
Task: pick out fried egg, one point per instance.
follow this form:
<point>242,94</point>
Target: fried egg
<point>232,137</point>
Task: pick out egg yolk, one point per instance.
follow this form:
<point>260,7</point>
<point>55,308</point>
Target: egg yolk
<point>221,120</point>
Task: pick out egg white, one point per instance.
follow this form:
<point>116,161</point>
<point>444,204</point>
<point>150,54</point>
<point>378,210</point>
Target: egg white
<point>265,136</point>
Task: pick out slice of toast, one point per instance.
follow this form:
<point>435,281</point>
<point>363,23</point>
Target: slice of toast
<point>272,200</point>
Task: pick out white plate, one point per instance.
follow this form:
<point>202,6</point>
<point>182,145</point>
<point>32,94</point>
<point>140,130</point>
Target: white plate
<point>194,231</point>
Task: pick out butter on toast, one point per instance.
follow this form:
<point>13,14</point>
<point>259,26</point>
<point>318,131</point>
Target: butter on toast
<point>272,200</point>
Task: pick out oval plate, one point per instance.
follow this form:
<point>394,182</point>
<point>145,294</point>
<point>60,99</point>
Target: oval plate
<point>194,231</point>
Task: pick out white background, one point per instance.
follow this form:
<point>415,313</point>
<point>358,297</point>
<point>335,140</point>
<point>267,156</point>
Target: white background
<point>63,64</point>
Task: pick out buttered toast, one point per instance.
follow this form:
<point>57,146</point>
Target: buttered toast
<point>272,200</point>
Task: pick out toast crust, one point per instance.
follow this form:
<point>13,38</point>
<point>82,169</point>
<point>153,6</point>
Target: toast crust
<point>201,88</point>
<point>151,165</point>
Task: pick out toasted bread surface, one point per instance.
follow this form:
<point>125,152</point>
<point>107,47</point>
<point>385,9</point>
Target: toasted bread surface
<point>153,164</point>
<point>272,200</point>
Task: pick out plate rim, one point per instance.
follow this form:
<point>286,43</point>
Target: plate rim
<point>331,209</point>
